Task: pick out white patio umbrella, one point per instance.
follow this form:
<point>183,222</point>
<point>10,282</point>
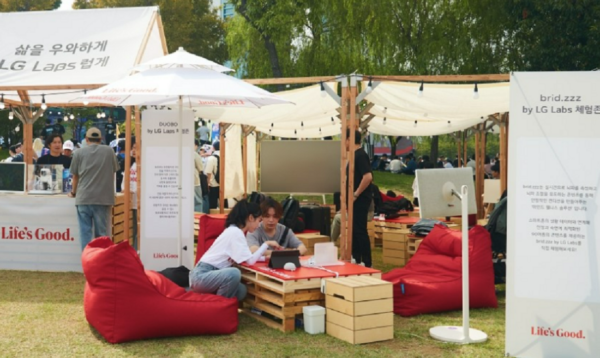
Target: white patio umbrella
<point>194,87</point>
<point>182,58</point>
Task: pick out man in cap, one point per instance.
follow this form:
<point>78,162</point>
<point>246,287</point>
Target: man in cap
<point>93,169</point>
<point>68,148</point>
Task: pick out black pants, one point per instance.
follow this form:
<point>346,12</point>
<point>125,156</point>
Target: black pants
<point>213,197</point>
<point>361,246</point>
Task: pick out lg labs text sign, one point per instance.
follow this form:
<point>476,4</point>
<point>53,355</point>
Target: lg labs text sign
<point>39,233</point>
<point>553,283</point>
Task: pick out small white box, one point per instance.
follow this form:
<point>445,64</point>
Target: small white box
<point>314,319</point>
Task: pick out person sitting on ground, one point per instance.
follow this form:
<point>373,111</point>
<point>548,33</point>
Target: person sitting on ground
<point>213,273</point>
<point>396,165</point>
<point>375,162</point>
<point>426,163</point>
<point>411,165</point>
<point>270,229</point>
<point>55,157</point>
<point>383,162</point>
<point>447,164</point>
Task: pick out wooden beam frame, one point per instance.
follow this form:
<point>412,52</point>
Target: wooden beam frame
<point>345,235</point>
<point>127,173</point>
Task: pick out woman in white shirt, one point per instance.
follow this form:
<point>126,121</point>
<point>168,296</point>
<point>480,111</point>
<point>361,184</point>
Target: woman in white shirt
<point>213,273</point>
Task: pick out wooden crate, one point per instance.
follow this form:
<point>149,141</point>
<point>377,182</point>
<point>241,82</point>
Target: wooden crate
<point>117,220</point>
<point>394,246</point>
<point>413,245</point>
<point>309,240</point>
<point>359,309</point>
<point>281,300</point>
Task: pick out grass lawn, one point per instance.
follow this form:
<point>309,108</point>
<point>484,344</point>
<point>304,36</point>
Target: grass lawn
<point>42,316</point>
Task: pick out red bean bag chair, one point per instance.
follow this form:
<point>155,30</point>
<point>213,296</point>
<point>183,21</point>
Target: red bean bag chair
<point>211,226</point>
<point>125,303</point>
<point>431,281</point>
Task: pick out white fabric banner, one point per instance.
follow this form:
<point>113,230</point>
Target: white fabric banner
<point>39,233</point>
<point>52,48</point>
<point>163,139</point>
<point>553,278</point>
<point>234,173</point>
<point>251,184</point>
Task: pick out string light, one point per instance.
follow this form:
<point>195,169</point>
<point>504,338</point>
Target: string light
<point>72,116</point>
<point>323,93</point>
<point>43,106</point>
<point>17,129</point>
<point>85,100</point>
<point>2,101</point>
<point>475,92</point>
<point>384,110</point>
<point>449,123</point>
<point>370,85</point>
<point>319,129</point>
<point>415,123</point>
<point>384,120</point>
<point>11,114</point>
<point>421,90</point>
<point>301,125</point>
<point>103,115</point>
<point>332,121</point>
<point>295,132</point>
<point>66,118</point>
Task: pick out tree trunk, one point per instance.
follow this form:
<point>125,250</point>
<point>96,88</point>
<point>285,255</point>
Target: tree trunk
<point>393,143</point>
<point>435,144</point>
<point>274,59</point>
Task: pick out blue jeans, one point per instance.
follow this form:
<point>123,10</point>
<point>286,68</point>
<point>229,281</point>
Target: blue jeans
<point>92,215</point>
<point>226,282</point>
<point>198,199</point>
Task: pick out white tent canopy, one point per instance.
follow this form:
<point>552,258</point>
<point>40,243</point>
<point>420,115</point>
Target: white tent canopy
<point>443,108</point>
<point>56,52</point>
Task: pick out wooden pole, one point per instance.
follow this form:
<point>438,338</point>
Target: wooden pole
<point>245,159</point>
<point>127,174</point>
<point>138,170</point>
<point>222,168</point>
<point>479,142</point>
<point>345,239</point>
<point>458,138</point>
<point>465,151</point>
<point>351,154</point>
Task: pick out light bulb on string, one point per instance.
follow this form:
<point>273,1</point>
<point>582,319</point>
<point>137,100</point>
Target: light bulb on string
<point>415,123</point>
<point>421,90</point>
<point>323,93</point>
<point>66,118</point>
<point>384,120</point>
<point>2,101</point>
<point>11,114</point>
<point>295,132</point>
<point>103,115</point>
<point>302,125</point>
<point>449,123</point>
<point>17,129</point>
<point>85,100</point>
<point>370,85</point>
<point>384,110</point>
<point>72,116</point>
<point>43,106</point>
<point>475,92</point>
<point>98,115</point>
<point>332,121</point>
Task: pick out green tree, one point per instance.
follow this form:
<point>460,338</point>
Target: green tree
<point>28,5</point>
<point>187,23</point>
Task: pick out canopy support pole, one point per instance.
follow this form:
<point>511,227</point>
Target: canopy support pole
<point>352,125</point>
<point>504,122</point>
<point>345,234</point>
<point>127,174</point>
<point>222,168</point>
<point>245,159</point>
<point>138,171</point>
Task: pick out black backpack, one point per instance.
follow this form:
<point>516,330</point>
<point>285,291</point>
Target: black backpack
<point>390,208</point>
<point>291,208</point>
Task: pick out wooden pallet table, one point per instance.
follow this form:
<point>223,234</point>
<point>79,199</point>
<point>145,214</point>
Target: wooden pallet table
<point>276,297</point>
<point>412,245</point>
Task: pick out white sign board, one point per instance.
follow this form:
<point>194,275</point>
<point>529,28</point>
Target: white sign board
<point>164,138</point>
<point>553,278</point>
<point>39,233</point>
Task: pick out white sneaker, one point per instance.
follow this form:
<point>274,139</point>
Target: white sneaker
<point>362,264</point>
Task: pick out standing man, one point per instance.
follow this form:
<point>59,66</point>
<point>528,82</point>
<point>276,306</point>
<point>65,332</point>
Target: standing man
<point>362,196</point>
<point>93,169</point>
<point>203,133</point>
<point>212,175</point>
<point>110,129</point>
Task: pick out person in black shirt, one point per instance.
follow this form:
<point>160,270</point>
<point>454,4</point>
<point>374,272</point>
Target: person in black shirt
<point>55,157</point>
<point>110,130</point>
<point>362,195</point>
<point>47,130</point>
<point>58,127</point>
